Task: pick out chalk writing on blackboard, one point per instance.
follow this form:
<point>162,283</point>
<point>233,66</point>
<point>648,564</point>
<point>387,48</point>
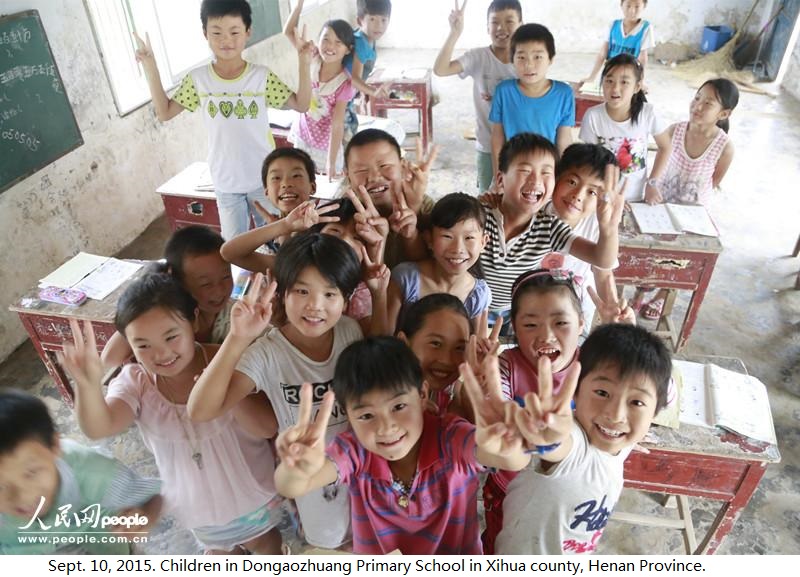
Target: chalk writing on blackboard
<point>37,125</point>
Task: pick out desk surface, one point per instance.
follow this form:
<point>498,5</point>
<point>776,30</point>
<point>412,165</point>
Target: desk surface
<point>630,237</point>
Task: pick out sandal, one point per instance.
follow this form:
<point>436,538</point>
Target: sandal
<point>652,310</point>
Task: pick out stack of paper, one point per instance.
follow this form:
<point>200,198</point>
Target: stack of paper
<point>97,276</point>
<point>673,219</point>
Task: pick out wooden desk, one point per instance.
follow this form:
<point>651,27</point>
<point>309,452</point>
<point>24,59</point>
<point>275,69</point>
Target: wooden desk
<point>184,205</point>
<point>409,94</point>
<point>48,327</point>
<point>584,102</point>
<point>683,262</point>
<point>694,461</point>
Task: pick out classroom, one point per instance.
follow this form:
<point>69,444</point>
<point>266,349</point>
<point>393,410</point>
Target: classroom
<point>100,195</point>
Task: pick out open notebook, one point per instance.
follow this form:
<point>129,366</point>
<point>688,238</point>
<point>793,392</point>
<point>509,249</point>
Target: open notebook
<point>673,219</point>
<point>716,397</point>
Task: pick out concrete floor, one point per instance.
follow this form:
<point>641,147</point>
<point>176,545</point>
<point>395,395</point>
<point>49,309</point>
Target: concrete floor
<point>750,311</point>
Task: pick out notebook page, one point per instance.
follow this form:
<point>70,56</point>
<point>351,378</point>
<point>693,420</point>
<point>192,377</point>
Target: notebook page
<point>653,219</point>
<point>107,277</point>
<point>695,406</point>
<point>73,270</point>
<point>741,404</point>
<point>694,219</point>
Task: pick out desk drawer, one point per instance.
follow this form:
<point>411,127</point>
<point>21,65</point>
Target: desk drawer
<point>184,210</point>
<point>668,269</point>
<point>685,473</point>
<point>54,331</point>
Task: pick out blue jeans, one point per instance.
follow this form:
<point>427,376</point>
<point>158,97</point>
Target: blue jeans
<point>236,209</point>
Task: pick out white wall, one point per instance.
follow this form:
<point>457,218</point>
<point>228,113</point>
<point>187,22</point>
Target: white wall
<point>577,25</point>
<point>101,196</point>
<point>791,81</point>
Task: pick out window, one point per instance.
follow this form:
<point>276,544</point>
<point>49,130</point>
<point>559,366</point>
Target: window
<point>176,36</point>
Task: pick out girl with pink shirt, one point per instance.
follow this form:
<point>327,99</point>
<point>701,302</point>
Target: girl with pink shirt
<point>700,157</point>
<point>320,130</point>
<point>217,476</point>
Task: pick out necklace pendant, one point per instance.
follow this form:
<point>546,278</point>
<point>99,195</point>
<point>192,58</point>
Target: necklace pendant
<point>197,457</point>
<point>402,501</point>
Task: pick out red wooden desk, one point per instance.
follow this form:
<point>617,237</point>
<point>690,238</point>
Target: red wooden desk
<point>584,102</point>
<point>706,463</point>
<point>48,327</point>
<point>406,93</point>
<point>683,262</point>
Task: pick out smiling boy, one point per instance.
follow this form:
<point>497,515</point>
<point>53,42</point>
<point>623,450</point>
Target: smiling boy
<point>532,102</point>
<point>412,475</point>
<point>488,66</point>
<point>561,503</point>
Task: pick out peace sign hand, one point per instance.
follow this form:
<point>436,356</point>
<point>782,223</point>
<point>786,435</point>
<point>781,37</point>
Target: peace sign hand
<point>495,430</point>
<point>80,357</point>
<point>403,220</point>
<point>456,18</point>
<point>612,311</point>
<point>305,215</point>
<point>144,50</point>
<point>301,447</point>
<point>370,225</point>
<point>376,273</point>
<point>612,199</point>
<point>415,176</point>
<point>305,47</point>
<point>250,316</point>
<point>547,418</point>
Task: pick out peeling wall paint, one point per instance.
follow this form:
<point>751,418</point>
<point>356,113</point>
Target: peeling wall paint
<point>101,196</point>
<point>577,25</point>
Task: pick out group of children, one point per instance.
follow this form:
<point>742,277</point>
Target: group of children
<point>359,385</point>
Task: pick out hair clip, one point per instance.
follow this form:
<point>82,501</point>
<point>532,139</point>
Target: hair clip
<point>556,274</point>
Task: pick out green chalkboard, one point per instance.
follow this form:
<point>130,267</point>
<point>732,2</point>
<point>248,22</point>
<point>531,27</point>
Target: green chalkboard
<point>37,125</point>
<point>266,20</point>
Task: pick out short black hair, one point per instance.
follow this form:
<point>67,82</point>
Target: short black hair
<point>332,257</point>
<point>288,152</point>
<point>220,8</point>
<point>500,5</point>
<point>375,364</point>
<point>153,290</point>
<point>524,143</point>
<point>593,156</point>
<point>533,33</point>
<point>24,417</point>
<point>633,351</point>
<point>192,240</point>
<point>373,8</point>
<point>369,136</point>
<point>415,314</point>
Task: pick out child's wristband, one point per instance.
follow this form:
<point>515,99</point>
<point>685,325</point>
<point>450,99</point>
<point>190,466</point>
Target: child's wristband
<point>543,449</point>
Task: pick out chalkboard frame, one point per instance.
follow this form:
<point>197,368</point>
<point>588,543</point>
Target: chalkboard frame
<point>57,74</point>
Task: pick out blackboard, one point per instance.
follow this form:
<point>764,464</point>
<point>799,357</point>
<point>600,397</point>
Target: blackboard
<point>37,125</point>
<point>266,20</point>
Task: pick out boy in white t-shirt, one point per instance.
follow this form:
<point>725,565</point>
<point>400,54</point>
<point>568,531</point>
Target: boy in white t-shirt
<point>233,96</point>
<point>561,503</point>
<point>488,66</point>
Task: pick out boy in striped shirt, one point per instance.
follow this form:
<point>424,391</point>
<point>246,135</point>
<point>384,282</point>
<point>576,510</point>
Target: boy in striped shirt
<point>412,475</point>
<point>521,234</point>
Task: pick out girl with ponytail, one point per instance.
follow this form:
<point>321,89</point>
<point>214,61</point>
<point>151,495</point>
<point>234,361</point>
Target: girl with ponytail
<point>624,123</point>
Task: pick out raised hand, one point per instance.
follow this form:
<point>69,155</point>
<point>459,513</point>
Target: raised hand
<point>547,418</point>
<point>403,220</point>
<point>250,316</point>
<point>301,447</point>
<point>415,176</point>
<point>144,50</point>
<point>370,225</point>
<point>456,18</point>
<point>80,357</point>
<point>495,430</point>
<point>376,273</point>
<point>305,47</point>
<point>612,311</point>
<point>305,215</point>
<point>612,199</point>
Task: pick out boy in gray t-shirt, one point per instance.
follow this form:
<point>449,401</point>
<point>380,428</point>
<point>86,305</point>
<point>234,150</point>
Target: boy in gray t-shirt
<point>488,66</point>
<point>561,503</point>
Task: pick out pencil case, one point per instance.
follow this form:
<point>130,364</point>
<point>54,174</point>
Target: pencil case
<point>62,296</point>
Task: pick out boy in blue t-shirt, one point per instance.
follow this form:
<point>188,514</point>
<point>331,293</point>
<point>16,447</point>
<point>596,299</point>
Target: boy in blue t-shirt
<point>631,35</point>
<point>373,20</point>
<point>532,102</point>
